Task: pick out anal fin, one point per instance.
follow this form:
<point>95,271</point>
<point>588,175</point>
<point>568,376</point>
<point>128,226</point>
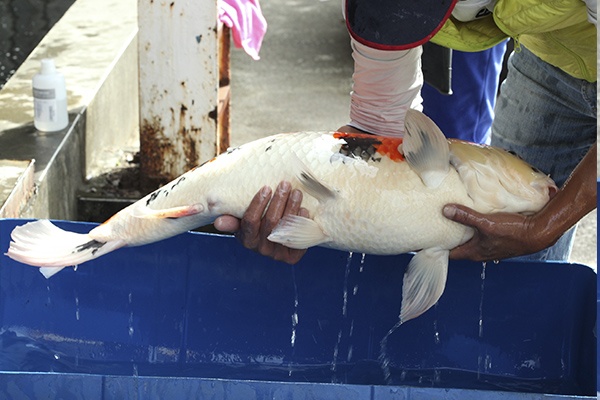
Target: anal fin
<point>298,232</point>
<point>424,282</point>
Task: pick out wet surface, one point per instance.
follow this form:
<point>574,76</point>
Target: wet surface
<point>23,23</point>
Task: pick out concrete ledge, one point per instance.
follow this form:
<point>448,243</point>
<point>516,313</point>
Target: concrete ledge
<point>94,45</point>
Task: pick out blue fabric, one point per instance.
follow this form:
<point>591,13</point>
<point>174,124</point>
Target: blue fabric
<point>549,119</point>
<point>467,114</point>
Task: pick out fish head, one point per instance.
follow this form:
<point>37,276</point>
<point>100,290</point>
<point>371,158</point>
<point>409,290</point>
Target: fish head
<point>499,180</point>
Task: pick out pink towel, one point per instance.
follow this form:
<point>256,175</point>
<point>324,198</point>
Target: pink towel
<point>247,24</point>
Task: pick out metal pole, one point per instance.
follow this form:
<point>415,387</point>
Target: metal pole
<point>179,83</point>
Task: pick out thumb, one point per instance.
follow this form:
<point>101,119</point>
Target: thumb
<point>462,214</point>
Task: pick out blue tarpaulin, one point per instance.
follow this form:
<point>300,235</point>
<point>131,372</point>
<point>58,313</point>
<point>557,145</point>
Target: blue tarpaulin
<point>199,316</point>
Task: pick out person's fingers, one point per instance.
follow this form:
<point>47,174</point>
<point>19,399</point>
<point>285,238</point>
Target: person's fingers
<point>464,215</point>
<point>272,217</point>
<point>294,202</point>
<point>249,233</point>
<point>227,223</point>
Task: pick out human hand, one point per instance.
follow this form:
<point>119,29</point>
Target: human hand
<point>256,224</point>
<point>497,236</point>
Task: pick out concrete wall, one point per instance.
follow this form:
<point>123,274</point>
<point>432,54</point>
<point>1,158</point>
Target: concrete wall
<point>94,46</point>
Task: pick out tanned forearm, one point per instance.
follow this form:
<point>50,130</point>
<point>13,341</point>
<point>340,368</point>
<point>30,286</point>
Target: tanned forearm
<point>576,199</point>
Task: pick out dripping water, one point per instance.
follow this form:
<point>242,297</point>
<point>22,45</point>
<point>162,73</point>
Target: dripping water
<point>294,318</point>
<point>49,301</point>
<point>481,360</point>
<point>383,356</point>
<point>295,313</point>
<point>336,349</point>
<point>131,330</point>
<point>481,300</point>
<point>76,306</point>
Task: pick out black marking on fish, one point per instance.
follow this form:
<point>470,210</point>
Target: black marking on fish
<point>92,244</point>
<point>268,148</point>
<point>181,179</point>
<point>153,197</point>
<point>232,149</point>
<point>360,147</point>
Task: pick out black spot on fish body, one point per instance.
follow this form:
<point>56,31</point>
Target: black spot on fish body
<point>92,244</point>
<point>181,179</point>
<point>153,197</point>
<point>268,148</point>
<point>360,147</point>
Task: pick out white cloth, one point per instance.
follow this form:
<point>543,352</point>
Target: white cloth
<point>247,24</point>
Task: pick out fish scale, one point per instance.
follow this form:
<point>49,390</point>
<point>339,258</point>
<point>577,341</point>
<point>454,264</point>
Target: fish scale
<point>364,193</point>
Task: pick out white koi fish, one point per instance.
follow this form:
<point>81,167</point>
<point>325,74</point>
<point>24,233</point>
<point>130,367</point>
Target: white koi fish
<point>364,193</point>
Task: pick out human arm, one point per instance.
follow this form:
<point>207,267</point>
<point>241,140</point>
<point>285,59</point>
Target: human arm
<point>386,84</point>
<point>504,235</point>
<point>261,216</point>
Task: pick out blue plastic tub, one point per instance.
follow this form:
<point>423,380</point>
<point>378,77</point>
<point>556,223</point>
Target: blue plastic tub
<point>199,316</point>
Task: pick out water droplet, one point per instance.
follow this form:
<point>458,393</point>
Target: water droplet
<point>362,263</point>
<point>76,307</point>
<point>481,300</point>
<point>56,357</point>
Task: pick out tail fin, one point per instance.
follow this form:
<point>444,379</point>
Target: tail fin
<point>42,244</point>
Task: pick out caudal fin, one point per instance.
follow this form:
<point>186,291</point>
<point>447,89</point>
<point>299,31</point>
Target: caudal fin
<point>43,244</point>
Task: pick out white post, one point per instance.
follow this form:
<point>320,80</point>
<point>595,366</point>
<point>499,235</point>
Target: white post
<point>179,83</point>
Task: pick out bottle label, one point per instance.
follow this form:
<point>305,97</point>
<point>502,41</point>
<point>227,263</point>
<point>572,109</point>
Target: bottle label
<point>45,110</point>
<point>44,94</point>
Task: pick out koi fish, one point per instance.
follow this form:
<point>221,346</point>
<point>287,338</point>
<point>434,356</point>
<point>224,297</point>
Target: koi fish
<point>364,193</point>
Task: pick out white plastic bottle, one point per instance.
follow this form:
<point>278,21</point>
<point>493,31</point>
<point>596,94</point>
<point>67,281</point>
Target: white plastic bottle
<point>49,98</point>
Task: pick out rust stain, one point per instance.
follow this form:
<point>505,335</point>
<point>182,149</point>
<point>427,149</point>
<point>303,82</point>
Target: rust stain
<point>168,151</point>
<point>188,139</point>
<point>153,149</point>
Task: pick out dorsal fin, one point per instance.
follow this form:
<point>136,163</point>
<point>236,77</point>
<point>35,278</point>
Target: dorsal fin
<point>425,148</point>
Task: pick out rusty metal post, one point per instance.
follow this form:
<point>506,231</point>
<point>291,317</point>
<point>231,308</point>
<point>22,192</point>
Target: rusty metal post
<point>179,83</point>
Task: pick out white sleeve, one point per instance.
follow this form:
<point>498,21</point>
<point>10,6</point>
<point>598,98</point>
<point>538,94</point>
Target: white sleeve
<point>386,84</point>
<point>592,11</point>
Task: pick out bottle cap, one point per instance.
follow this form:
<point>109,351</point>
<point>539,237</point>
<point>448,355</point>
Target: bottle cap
<point>48,66</point>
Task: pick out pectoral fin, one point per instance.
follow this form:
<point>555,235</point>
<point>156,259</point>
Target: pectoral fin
<point>424,282</point>
<point>425,148</point>
<point>175,212</point>
<point>298,232</point>
<point>310,183</point>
